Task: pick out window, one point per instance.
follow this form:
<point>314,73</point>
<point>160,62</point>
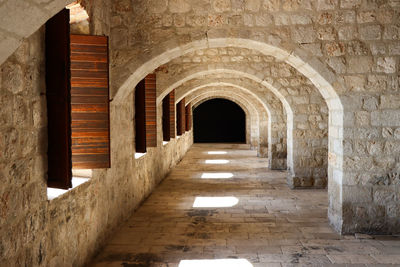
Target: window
<point>188,117</point>
<point>168,117</point>
<point>145,114</point>
<point>77,101</point>
<point>180,117</point>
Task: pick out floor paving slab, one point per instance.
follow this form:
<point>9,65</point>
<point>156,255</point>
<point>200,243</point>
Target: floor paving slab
<point>270,225</point>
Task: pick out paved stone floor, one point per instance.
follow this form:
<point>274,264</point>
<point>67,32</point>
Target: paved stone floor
<point>270,225</point>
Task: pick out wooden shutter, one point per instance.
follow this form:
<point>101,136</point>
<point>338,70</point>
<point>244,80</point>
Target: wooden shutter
<point>150,110</point>
<point>172,114</point>
<point>180,118</point>
<point>146,114</point>
<point>90,102</point>
<point>58,101</point>
<point>166,119</point>
<point>169,116</point>
<point>188,117</point>
<point>140,118</point>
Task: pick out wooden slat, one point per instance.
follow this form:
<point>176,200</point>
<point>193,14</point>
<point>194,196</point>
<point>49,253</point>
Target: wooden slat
<point>89,40</point>
<point>88,99</point>
<point>89,74</point>
<point>89,133</point>
<point>84,65</point>
<point>89,57</point>
<point>58,101</point>
<point>89,49</point>
<point>89,91</point>
<point>90,102</point>
<point>89,116</point>
<point>88,83</point>
<point>97,108</point>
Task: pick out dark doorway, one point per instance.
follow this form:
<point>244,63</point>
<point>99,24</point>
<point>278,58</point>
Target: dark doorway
<point>219,121</point>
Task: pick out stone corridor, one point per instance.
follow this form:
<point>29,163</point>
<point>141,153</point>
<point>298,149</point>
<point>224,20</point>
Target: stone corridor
<point>270,225</point>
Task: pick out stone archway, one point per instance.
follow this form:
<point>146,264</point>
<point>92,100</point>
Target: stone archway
<point>276,146</point>
<point>256,132</point>
<point>303,172</point>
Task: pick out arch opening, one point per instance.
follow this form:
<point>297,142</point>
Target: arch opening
<point>219,121</point>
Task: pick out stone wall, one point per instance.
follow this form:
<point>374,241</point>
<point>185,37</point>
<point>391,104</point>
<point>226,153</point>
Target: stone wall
<point>68,230</point>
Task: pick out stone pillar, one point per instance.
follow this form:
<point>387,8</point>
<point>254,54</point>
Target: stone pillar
<point>263,134</point>
<point>364,185</point>
<point>308,145</point>
<point>277,145</point>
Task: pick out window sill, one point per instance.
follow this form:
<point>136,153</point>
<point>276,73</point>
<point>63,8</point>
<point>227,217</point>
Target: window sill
<point>165,143</point>
<point>53,193</point>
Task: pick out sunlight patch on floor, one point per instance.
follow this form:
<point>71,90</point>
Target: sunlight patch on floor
<point>217,152</point>
<point>217,161</point>
<point>217,175</point>
<point>215,202</point>
<point>216,263</point>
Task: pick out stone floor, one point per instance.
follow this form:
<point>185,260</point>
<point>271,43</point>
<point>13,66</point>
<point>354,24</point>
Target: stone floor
<point>270,225</point>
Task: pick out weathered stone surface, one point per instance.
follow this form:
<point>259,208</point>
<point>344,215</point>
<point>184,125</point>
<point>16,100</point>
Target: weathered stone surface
<point>179,6</point>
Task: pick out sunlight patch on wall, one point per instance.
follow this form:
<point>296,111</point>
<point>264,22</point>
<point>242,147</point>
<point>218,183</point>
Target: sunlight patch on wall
<point>215,202</point>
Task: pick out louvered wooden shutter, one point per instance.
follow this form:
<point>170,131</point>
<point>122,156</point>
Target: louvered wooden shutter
<point>150,110</point>
<point>169,116</point>
<point>180,118</point>
<point>146,114</point>
<point>140,118</point>
<point>188,117</point>
<point>90,102</point>
<point>58,101</point>
<point>166,119</point>
<point>172,114</point>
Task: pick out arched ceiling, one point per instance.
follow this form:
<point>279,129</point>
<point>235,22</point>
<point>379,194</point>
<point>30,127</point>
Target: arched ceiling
<point>267,100</point>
